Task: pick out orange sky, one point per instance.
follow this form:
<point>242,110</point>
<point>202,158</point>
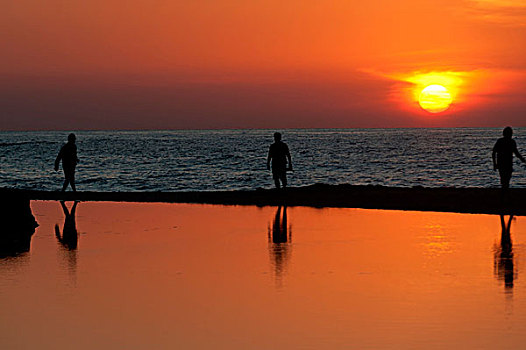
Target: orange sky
<point>229,64</point>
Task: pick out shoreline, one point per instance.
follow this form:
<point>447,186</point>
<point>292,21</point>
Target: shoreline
<point>456,200</point>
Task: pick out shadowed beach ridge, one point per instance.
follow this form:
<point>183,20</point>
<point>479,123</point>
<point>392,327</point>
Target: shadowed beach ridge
<point>459,200</point>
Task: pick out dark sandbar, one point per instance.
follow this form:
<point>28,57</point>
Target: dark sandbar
<point>459,200</point>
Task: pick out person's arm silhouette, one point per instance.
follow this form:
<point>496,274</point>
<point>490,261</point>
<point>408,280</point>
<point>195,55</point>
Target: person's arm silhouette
<point>494,157</point>
<point>77,160</point>
<point>516,151</point>
<point>288,158</point>
<point>59,157</point>
<point>269,157</point>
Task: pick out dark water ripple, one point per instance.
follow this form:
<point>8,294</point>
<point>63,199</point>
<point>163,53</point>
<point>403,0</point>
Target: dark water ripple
<point>235,159</point>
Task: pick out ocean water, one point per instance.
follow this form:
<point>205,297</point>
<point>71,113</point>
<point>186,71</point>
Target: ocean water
<point>196,160</point>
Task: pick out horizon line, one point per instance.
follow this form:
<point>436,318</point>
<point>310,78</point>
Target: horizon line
<point>283,128</point>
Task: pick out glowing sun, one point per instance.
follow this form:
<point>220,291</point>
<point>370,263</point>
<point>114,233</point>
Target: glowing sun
<point>435,98</point>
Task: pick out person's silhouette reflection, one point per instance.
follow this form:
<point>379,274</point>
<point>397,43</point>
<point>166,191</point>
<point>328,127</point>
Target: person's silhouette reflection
<point>69,236</point>
<point>504,267</point>
<point>279,239</point>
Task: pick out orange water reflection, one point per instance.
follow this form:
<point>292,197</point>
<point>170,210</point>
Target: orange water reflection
<point>198,276</point>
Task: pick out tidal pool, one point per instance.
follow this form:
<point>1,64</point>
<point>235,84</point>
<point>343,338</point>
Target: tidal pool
<point>179,276</point>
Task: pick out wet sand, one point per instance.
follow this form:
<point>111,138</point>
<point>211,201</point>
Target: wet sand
<point>459,200</point>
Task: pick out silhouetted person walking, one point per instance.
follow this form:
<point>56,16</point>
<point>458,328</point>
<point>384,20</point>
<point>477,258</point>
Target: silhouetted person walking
<point>502,156</point>
<point>279,155</point>
<point>68,155</point>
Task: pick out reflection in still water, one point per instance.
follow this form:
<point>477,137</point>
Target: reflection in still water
<point>504,267</point>
<point>279,244</point>
<point>352,279</point>
<point>69,237</point>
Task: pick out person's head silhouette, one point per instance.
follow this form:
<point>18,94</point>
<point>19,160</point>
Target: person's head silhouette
<point>71,138</point>
<point>507,132</point>
<point>277,136</point>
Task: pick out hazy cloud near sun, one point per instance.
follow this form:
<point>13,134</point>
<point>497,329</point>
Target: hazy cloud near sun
<point>501,3</point>
<point>504,12</point>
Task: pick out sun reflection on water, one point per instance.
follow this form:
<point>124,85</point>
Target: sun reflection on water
<point>437,242</point>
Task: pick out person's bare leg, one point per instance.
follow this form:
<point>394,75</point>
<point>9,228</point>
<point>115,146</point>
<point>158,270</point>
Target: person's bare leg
<point>66,182</point>
<point>505,182</point>
<point>505,178</point>
<point>275,176</point>
<point>72,182</point>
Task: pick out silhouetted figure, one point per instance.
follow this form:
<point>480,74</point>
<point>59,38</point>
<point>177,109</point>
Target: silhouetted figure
<point>502,156</point>
<point>279,155</point>
<point>279,239</point>
<point>68,155</point>
<point>69,236</point>
<point>504,267</point>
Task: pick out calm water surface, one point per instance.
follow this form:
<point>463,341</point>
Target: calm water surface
<point>177,276</point>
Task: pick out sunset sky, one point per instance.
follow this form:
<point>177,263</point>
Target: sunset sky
<point>169,64</point>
